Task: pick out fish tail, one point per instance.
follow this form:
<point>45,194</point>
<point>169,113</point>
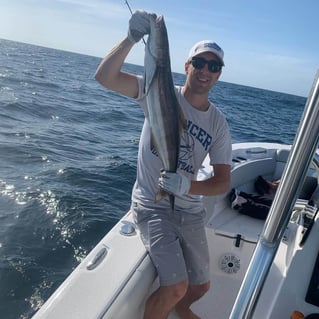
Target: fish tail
<point>161,194</point>
<point>172,202</point>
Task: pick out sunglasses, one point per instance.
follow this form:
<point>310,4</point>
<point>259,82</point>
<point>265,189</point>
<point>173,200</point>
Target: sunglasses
<point>199,63</point>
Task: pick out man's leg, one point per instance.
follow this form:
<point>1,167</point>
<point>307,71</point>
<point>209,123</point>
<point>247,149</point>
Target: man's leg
<point>163,300</point>
<point>196,255</point>
<point>193,293</point>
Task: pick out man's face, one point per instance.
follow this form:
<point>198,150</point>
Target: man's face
<point>201,80</point>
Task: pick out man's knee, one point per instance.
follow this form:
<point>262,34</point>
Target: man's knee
<point>174,293</point>
<point>178,291</point>
<point>205,287</point>
<point>199,290</point>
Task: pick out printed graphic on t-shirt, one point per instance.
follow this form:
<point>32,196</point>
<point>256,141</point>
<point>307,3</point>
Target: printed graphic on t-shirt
<point>199,134</point>
<point>194,134</point>
<point>190,138</point>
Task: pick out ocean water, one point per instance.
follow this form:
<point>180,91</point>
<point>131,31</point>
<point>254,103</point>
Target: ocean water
<point>68,151</point>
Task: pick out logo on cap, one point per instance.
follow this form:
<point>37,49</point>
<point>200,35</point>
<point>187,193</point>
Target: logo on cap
<point>212,45</point>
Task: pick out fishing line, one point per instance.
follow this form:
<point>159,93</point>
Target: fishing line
<point>129,7</point>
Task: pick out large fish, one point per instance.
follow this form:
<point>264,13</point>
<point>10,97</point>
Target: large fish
<point>165,114</point>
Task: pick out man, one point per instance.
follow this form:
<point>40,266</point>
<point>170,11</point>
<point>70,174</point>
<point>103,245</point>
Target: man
<point>176,240</point>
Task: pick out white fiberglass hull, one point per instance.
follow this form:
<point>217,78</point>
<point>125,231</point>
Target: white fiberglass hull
<point>115,279</point>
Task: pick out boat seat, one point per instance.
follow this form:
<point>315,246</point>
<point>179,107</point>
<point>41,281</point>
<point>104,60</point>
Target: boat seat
<point>281,160</point>
<point>310,183</point>
<point>244,175</point>
<point>308,187</point>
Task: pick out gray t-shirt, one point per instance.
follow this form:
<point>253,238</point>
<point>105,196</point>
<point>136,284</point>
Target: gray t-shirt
<point>207,133</point>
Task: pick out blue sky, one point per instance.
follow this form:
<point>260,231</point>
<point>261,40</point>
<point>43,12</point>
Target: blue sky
<point>271,44</point>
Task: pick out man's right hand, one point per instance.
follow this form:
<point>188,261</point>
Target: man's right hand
<point>139,25</point>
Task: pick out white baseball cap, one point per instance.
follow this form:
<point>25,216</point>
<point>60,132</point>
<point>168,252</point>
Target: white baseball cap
<point>207,46</point>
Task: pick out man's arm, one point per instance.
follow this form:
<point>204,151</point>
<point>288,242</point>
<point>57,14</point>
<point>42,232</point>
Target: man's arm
<point>109,72</point>
<point>215,185</point>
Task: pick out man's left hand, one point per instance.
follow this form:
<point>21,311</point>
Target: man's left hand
<point>174,183</point>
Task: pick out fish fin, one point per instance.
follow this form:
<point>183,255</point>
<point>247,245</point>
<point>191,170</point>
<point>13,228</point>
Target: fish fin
<point>172,201</point>
<point>153,145</point>
<point>154,74</point>
<point>182,119</point>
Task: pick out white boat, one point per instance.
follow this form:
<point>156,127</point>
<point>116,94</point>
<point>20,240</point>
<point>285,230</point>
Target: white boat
<point>259,269</point>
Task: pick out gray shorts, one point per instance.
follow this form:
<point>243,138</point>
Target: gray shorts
<point>176,243</point>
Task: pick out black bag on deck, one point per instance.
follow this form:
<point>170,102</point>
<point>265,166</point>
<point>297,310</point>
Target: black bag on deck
<point>251,205</point>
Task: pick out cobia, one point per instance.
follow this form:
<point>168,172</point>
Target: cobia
<point>165,115</point>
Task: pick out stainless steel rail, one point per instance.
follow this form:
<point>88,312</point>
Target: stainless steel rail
<point>301,154</point>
